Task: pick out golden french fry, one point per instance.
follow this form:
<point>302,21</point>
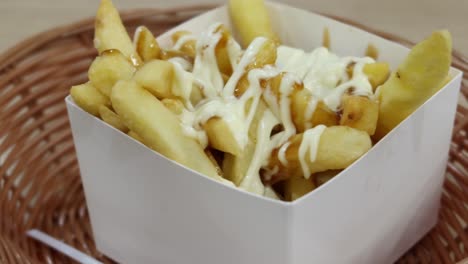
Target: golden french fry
<point>108,68</point>
<point>300,100</point>
<point>322,116</point>
<point>176,36</point>
<point>322,177</point>
<point>162,79</point>
<point>224,63</point>
<point>112,118</point>
<point>135,136</point>
<point>157,77</point>
<point>221,51</point>
<point>326,38</point>
<point>146,45</point>
<point>88,98</point>
<point>235,167</point>
<point>159,128</point>
<point>296,187</point>
<point>251,19</point>
<point>110,32</point>
<point>219,134</point>
<point>265,56</point>
<point>338,147</point>
<point>169,54</point>
<point>372,51</point>
<point>377,73</point>
<point>421,75</point>
<point>360,112</point>
<point>174,105</point>
<point>221,137</point>
<point>225,78</point>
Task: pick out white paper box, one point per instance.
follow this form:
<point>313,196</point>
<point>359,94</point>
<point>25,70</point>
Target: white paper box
<point>145,208</point>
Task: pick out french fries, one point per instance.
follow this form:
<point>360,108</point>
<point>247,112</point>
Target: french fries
<point>110,33</point>
<point>421,75</point>
<point>260,119</point>
<point>326,38</point>
<point>300,102</point>
<point>161,79</point>
<point>135,136</point>
<point>221,137</point>
<point>252,20</point>
<point>219,134</point>
<point>88,98</point>
<point>174,105</point>
<point>146,45</point>
<point>188,46</point>
<point>338,147</point>
<point>142,113</point>
<point>360,112</point>
<point>372,51</point>
<point>112,118</point>
<point>296,187</point>
<point>321,116</point>
<point>108,68</point>
<point>235,166</point>
<point>265,56</point>
<point>377,73</point>
<point>222,55</point>
<point>157,77</point>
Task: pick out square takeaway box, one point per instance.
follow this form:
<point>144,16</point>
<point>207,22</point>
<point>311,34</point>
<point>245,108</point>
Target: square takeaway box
<point>145,208</point>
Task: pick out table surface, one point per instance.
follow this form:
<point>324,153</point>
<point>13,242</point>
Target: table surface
<point>411,19</point>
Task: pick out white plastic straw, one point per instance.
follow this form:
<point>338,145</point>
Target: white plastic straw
<point>62,247</point>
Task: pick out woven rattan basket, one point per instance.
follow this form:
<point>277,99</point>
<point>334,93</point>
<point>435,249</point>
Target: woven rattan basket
<point>40,185</point>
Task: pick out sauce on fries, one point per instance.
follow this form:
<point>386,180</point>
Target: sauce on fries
<point>273,113</point>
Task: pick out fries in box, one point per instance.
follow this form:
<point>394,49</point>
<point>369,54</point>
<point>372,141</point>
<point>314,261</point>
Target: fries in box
<point>263,116</point>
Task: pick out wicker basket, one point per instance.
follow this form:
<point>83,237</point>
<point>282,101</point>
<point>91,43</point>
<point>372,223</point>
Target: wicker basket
<point>39,178</point>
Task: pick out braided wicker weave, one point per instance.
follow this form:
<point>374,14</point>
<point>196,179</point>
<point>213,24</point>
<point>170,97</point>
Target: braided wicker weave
<point>39,178</point>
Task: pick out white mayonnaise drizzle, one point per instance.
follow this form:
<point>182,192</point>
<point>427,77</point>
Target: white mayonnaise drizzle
<point>286,88</point>
<point>247,58</point>
<point>234,52</point>
<point>252,182</point>
<point>221,102</point>
<point>282,153</point>
<point>193,129</point>
<point>205,68</point>
<point>270,99</point>
<point>324,73</point>
<point>183,40</point>
<point>310,142</point>
<point>185,64</point>
<point>286,56</point>
<point>310,110</point>
<point>184,82</point>
<point>359,82</point>
<point>281,107</point>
